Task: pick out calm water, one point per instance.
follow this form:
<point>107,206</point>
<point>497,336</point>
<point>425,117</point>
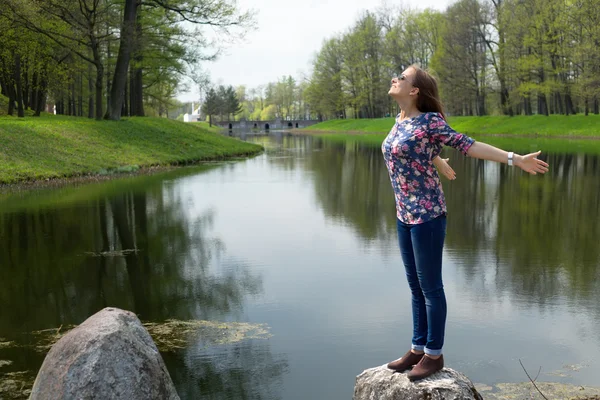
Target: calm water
<point>302,239</point>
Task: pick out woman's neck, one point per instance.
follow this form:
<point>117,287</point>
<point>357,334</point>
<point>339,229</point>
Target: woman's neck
<point>409,110</point>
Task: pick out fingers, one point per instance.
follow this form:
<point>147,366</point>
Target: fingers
<point>537,165</point>
<point>541,162</point>
<point>541,166</point>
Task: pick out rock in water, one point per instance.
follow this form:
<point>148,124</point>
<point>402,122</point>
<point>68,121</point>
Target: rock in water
<point>110,356</point>
<point>381,383</point>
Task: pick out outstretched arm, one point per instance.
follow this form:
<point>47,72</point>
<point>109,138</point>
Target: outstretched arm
<point>528,163</point>
<point>446,135</point>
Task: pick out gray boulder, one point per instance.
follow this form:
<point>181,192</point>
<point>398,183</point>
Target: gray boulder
<point>110,356</point>
<point>381,383</point>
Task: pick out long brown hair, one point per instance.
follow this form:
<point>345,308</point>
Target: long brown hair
<point>428,99</point>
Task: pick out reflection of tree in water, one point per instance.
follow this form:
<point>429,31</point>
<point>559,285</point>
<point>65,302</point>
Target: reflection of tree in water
<point>246,370</point>
<point>48,279</point>
<point>175,275</point>
<point>540,232</point>
<point>352,184</point>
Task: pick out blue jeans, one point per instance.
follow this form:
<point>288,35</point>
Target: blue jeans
<point>421,246</point>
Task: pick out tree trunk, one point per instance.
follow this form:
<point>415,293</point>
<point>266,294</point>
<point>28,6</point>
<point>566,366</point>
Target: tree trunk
<point>99,77</point>
<point>137,102</point>
<point>9,89</point>
<point>506,107</point>
<point>569,108</point>
<point>26,85</point>
<point>90,93</point>
<point>34,90</point>
<point>120,77</point>
<point>72,105</point>
<point>20,110</point>
<point>80,96</point>
<point>542,105</point>
<point>124,106</point>
<point>41,93</point>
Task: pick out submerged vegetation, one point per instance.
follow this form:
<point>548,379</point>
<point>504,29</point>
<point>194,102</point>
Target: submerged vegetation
<point>170,335</point>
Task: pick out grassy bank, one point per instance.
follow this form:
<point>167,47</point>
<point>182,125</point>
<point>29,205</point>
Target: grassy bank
<point>554,125</point>
<point>56,146</point>
<point>519,144</point>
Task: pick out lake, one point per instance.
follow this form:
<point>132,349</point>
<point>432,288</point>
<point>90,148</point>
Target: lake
<point>300,244</point>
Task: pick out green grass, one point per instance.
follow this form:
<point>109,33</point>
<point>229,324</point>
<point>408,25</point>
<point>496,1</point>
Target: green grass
<point>554,125</point>
<point>519,144</point>
<point>56,146</point>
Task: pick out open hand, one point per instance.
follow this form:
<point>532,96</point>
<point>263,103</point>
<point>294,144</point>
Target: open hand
<point>530,163</point>
<point>442,166</point>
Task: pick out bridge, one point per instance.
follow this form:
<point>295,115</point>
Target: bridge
<point>266,125</point>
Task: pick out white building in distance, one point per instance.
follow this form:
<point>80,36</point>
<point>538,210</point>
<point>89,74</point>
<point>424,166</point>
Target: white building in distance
<point>194,116</point>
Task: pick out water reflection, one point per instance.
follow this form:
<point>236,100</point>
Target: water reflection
<point>244,371</point>
<point>545,228</point>
<point>352,184</point>
<point>136,246</point>
<point>303,239</point>
<point>49,273</point>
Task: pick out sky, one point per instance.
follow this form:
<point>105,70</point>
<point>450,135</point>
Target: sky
<point>287,37</point>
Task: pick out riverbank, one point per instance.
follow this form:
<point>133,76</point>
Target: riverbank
<point>520,144</point>
<point>57,147</point>
<point>573,126</point>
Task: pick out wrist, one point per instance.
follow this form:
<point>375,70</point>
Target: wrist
<point>517,160</point>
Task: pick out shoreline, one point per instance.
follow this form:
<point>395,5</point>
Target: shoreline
<point>577,126</point>
<point>501,135</point>
<point>94,177</point>
<point>59,150</point>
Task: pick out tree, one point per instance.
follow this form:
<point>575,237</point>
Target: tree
<point>128,28</point>
<point>211,105</point>
<point>71,24</point>
<point>461,59</point>
<point>231,103</point>
<point>221,14</point>
<point>324,91</point>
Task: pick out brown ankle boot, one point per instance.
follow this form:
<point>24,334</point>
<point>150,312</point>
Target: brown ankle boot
<point>426,367</point>
<point>404,363</point>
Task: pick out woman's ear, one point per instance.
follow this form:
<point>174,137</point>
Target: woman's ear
<point>414,91</point>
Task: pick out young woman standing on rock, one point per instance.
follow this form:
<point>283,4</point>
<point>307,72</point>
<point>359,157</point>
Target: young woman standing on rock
<point>415,140</point>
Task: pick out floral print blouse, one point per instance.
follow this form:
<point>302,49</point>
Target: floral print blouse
<point>409,150</point>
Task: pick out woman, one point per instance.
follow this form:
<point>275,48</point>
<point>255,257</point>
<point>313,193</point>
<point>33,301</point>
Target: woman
<point>409,150</point>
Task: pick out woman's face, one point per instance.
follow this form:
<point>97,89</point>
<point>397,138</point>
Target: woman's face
<point>402,86</point>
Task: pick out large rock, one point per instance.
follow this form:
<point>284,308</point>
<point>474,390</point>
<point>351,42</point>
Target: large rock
<point>109,356</point>
<point>381,383</point>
